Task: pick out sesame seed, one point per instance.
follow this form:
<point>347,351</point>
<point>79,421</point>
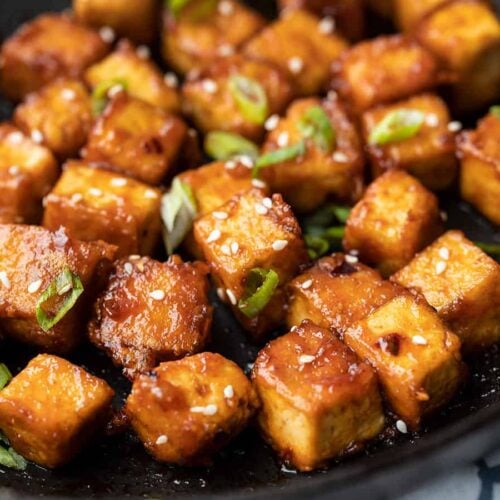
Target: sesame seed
<point>37,136</point>
<point>246,161</point>
<point>162,439</point>
<point>234,247</point>
<point>171,80</point>
<point>295,65</point>
<point>332,95</point>
<point>34,286</point>
<point>232,297</point>
<point>351,259</point>
<point>119,182</point>
<point>261,209</point>
<point>107,34</point>
<point>13,170</point>
<point>115,89</point>
<point>68,94</point>
<point>283,139</point>
<point>150,194</point>
<point>306,284</point>
<point>225,249</point>
<point>327,25</point>
<point>340,157</point>
<point>214,236</point>
<point>440,267</point>
<point>221,294</point>
<point>95,191</point>
<point>401,427</point>
<point>4,279</point>
<point>220,215</point>
<point>134,257</point>
<point>228,391</point>
<point>444,253</point>
<point>267,202</point>
<point>140,266</point>
<point>454,126</point>
<point>225,8</point>
<point>306,358</point>
<point>443,215</point>
<point>419,340</point>
<point>208,410</point>
<point>259,184</point>
<point>230,165</point>
<point>272,122</point>
<point>279,245</point>
<point>143,52</point>
<point>225,49</point>
<point>294,328</point>
<point>156,391</point>
<point>16,137</point>
<point>157,294</point>
<point>128,268</point>
<point>209,86</point>
<point>432,120</point>
<point>354,251</point>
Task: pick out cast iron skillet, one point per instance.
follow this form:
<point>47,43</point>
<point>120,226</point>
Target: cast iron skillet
<point>118,466</point>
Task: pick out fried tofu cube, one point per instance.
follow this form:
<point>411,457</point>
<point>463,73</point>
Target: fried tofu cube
<point>211,99</point>
<point>409,14</point>
<point>252,231</point>
<point>50,46</point>
<point>94,204</point>
<point>479,152</point>
<point>151,312</point>
<point>136,139</point>
<point>185,411</point>
<point>143,78</point>
<point>31,259</point>
<point>307,58</point>
<point>402,68</point>
<point>462,283</point>
<point>196,35</point>
<point>60,114</point>
<point>27,173</point>
<point>428,155</point>
<point>337,291</point>
<point>414,354</point>
<point>136,19</point>
<point>52,409</point>
<point>308,180</point>
<point>396,218</point>
<point>309,427</point>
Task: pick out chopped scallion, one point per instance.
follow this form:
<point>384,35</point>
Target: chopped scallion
<point>100,94</point>
<point>5,376</point>
<point>316,125</point>
<point>495,111</point>
<point>250,97</point>
<point>226,145</point>
<point>278,156</point>
<point>260,286</point>
<point>9,457</point>
<point>316,246</point>
<point>492,249</point>
<point>397,126</point>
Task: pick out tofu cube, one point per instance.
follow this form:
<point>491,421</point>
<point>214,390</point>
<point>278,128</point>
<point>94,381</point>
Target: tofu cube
<point>428,155</point>
<point>210,100</point>
<point>416,357</point>
<point>196,35</point>
<point>27,173</point>
<point>136,139</point>
<point>151,312</point>
<point>298,44</point>
<point>143,78</point>
<point>50,46</point>
<point>52,409</point>
<point>396,218</point>
<point>318,399</point>
<point>462,283</point>
<point>60,114</point>
<point>31,259</point>
<point>93,204</point>
<point>403,68</point>
<point>185,411</point>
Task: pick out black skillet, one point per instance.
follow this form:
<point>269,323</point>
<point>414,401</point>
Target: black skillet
<point>119,467</point>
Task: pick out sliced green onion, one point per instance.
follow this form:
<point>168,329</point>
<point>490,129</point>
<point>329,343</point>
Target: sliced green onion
<point>226,145</point>
<point>176,6</point>
<point>278,156</point>
<point>260,286</point>
<point>334,233</point>
<point>316,125</point>
<point>250,97</point>
<point>5,376</point>
<point>341,213</point>
<point>200,9</point>
<point>397,126</point>
<point>9,457</point>
<point>495,111</point>
<point>316,246</point>
<point>492,249</point>
<point>178,210</point>
<point>100,94</point>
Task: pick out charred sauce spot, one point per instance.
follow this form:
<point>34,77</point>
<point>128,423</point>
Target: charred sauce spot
<point>153,146</point>
<point>344,269</point>
<point>390,343</point>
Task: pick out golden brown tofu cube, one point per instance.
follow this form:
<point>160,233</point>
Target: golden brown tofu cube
<point>298,44</point>
<point>383,70</point>
<point>32,259</point>
<point>94,204</point>
<point>462,283</point>
<point>151,312</point>
<point>27,173</point>
<point>60,114</point>
<point>309,427</point>
<point>143,78</point>
<point>415,356</point>
<point>195,36</point>
<point>185,411</point>
<point>324,171</point>
<point>209,96</point>
<point>50,46</point>
<point>252,231</point>
<point>52,409</point>
<point>336,292</point>
<point>429,154</point>
<point>395,219</point>
<point>479,152</point>
<point>136,19</point>
<point>136,139</point>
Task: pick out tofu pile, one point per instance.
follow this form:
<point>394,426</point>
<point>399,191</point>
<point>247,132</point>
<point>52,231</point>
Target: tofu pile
<point>102,157</point>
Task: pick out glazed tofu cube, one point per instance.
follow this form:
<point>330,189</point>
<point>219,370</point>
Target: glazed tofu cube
<point>415,356</point>
<point>196,35</point>
<point>332,165</point>
<point>136,19</point>
<point>308,427</point>
<point>33,261</point>
<point>151,312</point>
<point>52,409</point>
<point>428,154</point>
<point>143,78</point>
<point>27,173</point>
<point>402,68</point>
<point>479,152</point>
<point>212,97</point>
<point>60,114</point>
<point>50,46</point>
<point>462,283</point>
<point>136,139</point>
<point>94,204</point>
<point>409,14</point>
<point>298,44</point>
<point>396,218</point>
<point>185,411</point>
<point>250,232</point>
<point>337,291</point>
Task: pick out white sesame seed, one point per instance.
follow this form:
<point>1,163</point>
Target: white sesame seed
<point>432,120</point>
<point>37,136</point>
<point>258,183</point>
<point>220,215</point>
<point>221,294</point>
<point>332,95</point>
<point>143,52</point>
<point>230,165</point>
<point>327,25</point>
<point>209,86</point>
<point>306,358</point>
<point>279,245</point>
<point>294,328</point>
<point>225,249</point>
<point>351,259</point>
<point>419,340</point>
<point>119,182</point>
<point>235,247</point>
<point>134,257</point>
<point>340,157</point>
<point>272,122</point>
<point>129,268</point>
<point>401,427</point>
<point>115,89</point>
<point>162,439</point>
<point>208,410</point>
<point>443,215</point>
<point>140,266</point>
<point>246,161</point>
<point>225,8</point>
<point>157,392</point>
<point>226,49</point>
<point>107,33</point>
<point>157,294</point>
<point>95,191</point>
<point>76,197</point>
<point>444,253</point>
<point>228,391</point>
<point>283,139</point>
<point>171,80</point>
<point>13,170</point>
<point>267,202</point>
<point>454,126</point>
<point>295,65</point>
<point>440,267</point>
<point>306,284</point>
<point>232,297</point>
<point>354,251</point>
<point>261,209</point>
<point>214,236</point>
<point>4,279</point>
<point>34,286</point>
<point>150,194</point>
<point>68,94</point>
<point>16,137</point>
